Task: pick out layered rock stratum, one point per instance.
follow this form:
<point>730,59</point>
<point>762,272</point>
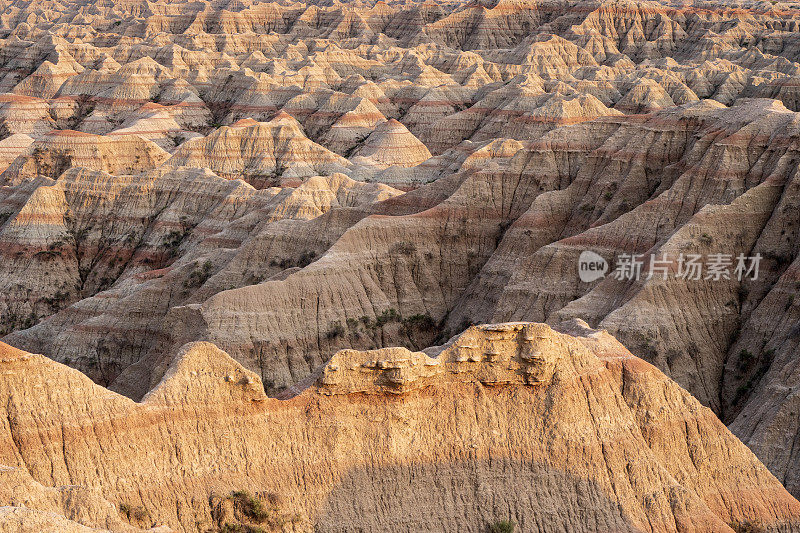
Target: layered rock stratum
<point>554,431</point>
<point>286,180</point>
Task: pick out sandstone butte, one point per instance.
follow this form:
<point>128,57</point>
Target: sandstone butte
<point>556,431</point>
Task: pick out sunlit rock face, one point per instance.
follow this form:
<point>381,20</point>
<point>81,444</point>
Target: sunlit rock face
<point>507,409</point>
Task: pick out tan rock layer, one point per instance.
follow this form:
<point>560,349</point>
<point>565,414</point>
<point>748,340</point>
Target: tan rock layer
<point>553,431</point>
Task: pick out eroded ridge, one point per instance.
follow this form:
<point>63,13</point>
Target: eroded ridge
<point>515,353</point>
<point>513,416</point>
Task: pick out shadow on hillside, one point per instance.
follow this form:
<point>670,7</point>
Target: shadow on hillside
<point>467,497</point>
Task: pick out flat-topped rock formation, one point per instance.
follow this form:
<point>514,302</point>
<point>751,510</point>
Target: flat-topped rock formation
<point>516,420</point>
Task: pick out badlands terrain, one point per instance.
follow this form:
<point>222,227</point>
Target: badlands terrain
<point>289,265</point>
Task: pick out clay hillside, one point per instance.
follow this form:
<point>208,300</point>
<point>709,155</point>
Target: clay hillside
<point>511,422</point>
<point>261,246</point>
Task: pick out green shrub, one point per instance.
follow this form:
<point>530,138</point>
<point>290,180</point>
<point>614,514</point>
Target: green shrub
<point>57,300</point>
<point>502,526</point>
<point>389,315</point>
<point>199,276</point>
<point>336,330</point>
<point>423,322</point>
<point>250,506</point>
<point>133,512</point>
<point>174,239</point>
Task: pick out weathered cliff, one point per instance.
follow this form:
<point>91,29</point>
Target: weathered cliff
<point>511,421</point>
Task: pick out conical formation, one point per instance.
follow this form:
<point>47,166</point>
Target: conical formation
<point>392,144</point>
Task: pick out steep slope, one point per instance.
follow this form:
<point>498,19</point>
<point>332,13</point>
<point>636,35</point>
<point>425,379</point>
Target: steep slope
<point>392,144</point>
<point>263,154</point>
<point>58,151</point>
<point>194,234</point>
<point>552,431</point>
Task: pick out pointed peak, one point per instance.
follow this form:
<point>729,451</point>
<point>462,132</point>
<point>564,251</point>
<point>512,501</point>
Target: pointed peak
<point>202,372</point>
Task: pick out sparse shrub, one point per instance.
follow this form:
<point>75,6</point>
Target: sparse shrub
<point>465,324</point>
<point>782,259</point>
<point>747,526</point>
<point>306,259</point>
<point>47,254</point>
<point>283,264</point>
<point>199,276</point>
<point>336,330</point>
<point>57,300</point>
<point>389,315</point>
<point>706,239</point>
<point>174,239</point>
<point>502,526</point>
<point>743,292</point>
<point>423,322</point>
<point>30,321</point>
<point>743,390</point>
<point>250,506</point>
<point>133,512</point>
